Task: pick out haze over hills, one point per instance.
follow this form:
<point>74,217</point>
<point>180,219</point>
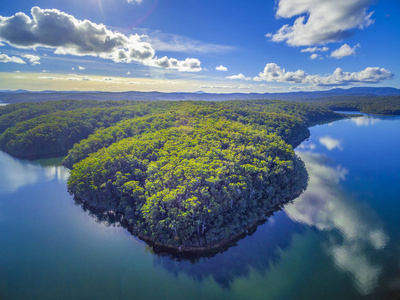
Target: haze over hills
<point>29,96</point>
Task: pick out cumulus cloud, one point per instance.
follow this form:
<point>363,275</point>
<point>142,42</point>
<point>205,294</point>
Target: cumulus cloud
<point>51,28</point>
<point>321,22</point>
<point>239,76</point>
<point>187,65</point>
<point>344,50</point>
<point>221,68</point>
<point>4,58</point>
<point>33,59</point>
<point>81,68</point>
<point>274,73</point>
<point>135,1</point>
<point>314,49</point>
<point>314,56</point>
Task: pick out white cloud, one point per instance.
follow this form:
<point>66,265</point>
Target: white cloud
<point>274,73</point>
<point>239,76</point>
<point>217,87</point>
<point>221,68</point>
<point>314,49</point>
<point>4,58</point>
<point>321,22</point>
<point>33,59</point>
<point>239,87</point>
<point>128,73</point>
<point>162,41</point>
<point>344,50</point>
<point>330,143</point>
<point>51,28</point>
<point>187,65</point>
<point>314,56</point>
<point>244,86</point>
<point>134,1</point>
<point>81,68</point>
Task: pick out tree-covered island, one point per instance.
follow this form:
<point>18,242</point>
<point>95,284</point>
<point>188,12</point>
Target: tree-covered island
<point>187,175</point>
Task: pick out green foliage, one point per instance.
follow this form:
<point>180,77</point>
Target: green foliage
<point>182,173</point>
<point>288,120</point>
<point>191,185</point>
<point>12,114</point>
<point>385,105</point>
<point>53,134</point>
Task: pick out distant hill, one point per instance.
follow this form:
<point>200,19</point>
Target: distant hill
<point>27,96</point>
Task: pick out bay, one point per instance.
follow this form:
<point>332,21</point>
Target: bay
<point>338,240</point>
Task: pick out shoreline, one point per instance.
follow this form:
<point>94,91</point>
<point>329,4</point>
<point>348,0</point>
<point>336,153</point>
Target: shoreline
<point>182,251</point>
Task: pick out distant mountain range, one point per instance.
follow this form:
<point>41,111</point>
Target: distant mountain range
<point>26,96</point>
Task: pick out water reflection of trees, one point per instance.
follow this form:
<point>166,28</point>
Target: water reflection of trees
<point>106,217</point>
<point>257,251</point>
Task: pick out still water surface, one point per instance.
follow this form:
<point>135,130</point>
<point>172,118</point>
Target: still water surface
<point>339,240</point>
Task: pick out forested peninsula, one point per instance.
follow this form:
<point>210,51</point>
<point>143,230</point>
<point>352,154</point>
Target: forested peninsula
<point>187,175</point>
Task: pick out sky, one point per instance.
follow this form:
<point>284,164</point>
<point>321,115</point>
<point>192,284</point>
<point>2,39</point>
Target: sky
<point>213,46</point>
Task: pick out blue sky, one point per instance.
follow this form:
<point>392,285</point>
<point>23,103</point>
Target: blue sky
<point>187,45</point>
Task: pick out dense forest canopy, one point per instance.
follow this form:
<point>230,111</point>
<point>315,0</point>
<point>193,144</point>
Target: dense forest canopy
<point>48,129</point>
<point>183,174</point>
<point>384,105</point>
<point>192,185</point>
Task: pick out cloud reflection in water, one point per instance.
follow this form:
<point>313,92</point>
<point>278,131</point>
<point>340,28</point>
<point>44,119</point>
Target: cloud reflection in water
<point>353,230</point>
<point>365,121</point>
<point>20,173</point>
<point>330,143</point>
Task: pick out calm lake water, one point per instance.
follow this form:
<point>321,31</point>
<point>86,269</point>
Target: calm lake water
<point>339,240</point>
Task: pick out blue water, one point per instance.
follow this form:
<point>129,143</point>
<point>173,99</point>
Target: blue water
<point>339,240</point>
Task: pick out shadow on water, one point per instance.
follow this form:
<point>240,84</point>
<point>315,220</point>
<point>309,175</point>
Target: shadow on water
<point>257,250</point>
